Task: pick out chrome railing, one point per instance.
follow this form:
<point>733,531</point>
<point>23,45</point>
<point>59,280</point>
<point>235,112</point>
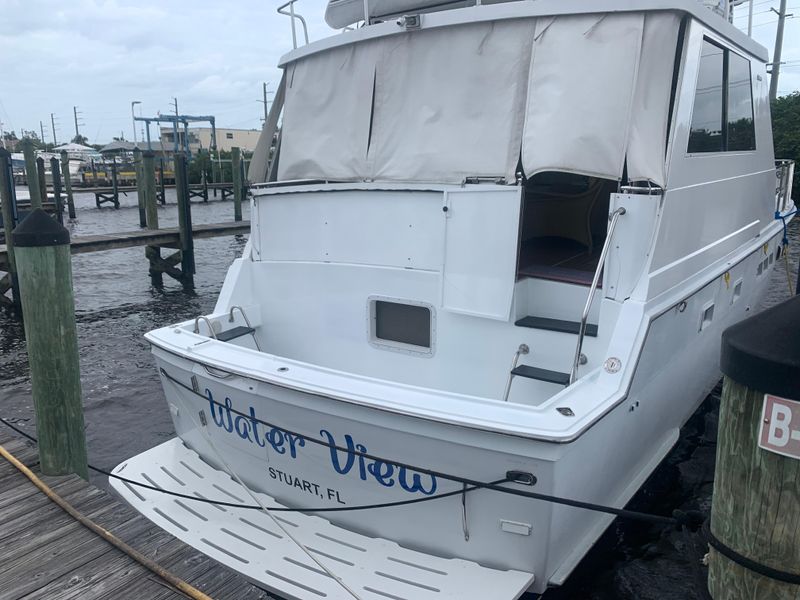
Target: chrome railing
<point>784,172</point>
<point>585,315</point>
<point>293,15</point>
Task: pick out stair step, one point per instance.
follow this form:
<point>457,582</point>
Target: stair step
<point>556,325</point>
<point>541,374</point>
<point>236,332</point>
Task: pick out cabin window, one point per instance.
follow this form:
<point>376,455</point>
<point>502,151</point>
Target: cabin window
<point>741,129</point>
<point>400,325</point>
<point>722,116</point>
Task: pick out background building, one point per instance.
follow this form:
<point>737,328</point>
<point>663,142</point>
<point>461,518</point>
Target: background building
<point>200,138</point>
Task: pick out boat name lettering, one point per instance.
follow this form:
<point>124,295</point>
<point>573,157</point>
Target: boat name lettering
<point>342,461</point>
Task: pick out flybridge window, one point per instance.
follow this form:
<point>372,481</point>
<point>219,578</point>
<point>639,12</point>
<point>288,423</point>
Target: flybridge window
<point>722,117</point>
<point>400,326</point>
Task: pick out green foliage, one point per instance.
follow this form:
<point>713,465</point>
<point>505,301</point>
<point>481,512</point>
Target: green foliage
<point>80,139</point>
<point>786,132</point>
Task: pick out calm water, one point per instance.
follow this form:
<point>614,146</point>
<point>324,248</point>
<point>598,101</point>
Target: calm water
<point>126,414</point>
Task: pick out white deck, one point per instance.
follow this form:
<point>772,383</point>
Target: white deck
<point>248,540</point>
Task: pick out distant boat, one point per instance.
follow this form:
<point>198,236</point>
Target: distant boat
<point>496,248</point>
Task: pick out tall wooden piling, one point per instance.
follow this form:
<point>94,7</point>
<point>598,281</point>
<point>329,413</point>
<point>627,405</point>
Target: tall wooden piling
<point>67,183</point>
<point>148,191</point>
<point>238,182</point>
<point>9,206</point>
<point>55,172</point>
<point>114,184</point>
<point>162,196</point>
<point>140,186</point>
<point>41,178</point>
<point>31,173</point>
<point>184,219</point>
<point>755,512</point>
<point>45,277</point>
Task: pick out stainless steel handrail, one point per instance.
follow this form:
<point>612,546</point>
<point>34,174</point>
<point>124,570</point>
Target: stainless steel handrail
<point>585,315</point>
<point>247,322</point>
<point>291,14</point>
<point>784,171</point>
<point>208,324</point>
<point>523,349</point>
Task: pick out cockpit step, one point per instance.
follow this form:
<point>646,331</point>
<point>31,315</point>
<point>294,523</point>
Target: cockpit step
<point>541,374</point>
<point>556,325</point>
<point>236,332</point>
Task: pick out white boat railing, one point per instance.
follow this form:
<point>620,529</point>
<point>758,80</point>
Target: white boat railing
<point>784,172</point>
<point>293,15</point>
<point>585,315</point>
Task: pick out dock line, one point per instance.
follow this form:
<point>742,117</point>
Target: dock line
<point>179,584</point>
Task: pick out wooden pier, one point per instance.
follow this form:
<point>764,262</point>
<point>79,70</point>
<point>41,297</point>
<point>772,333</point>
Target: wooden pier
<point>165,238</point>
<point>47,555</point>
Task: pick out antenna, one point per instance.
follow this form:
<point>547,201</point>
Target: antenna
<point>75,113</point>
<point>53,123</point>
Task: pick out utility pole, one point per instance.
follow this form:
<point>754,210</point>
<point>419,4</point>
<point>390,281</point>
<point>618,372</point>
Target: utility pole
<point>266,111</point>
<point>53,123</point>
<point>75,114</point>
<point>41,130</point>
<point>776,57</point>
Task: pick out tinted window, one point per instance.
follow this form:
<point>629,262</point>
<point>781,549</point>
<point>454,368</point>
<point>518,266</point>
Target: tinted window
<point>706,132</point>
<point>404,323</point>
<point>741,130</point>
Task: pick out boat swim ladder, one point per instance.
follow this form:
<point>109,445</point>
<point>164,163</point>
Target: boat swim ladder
<point>293,15</point>
<point>614,217</point>
<point>247,322</point>
<point>523,349</point>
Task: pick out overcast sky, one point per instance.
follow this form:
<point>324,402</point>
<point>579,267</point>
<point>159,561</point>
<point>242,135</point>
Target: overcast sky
<point>213,56</point>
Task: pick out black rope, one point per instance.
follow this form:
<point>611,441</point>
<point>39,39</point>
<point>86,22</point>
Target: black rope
<point>679,518</point>
<point>748,563</point>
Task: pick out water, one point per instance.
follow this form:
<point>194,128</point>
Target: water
<point>126,414</point>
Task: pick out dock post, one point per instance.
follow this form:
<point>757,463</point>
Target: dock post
<point>31,173</point>
<point>153,253</point>
<point>163,193</point>
<point>114,186</point>
<point>67,183</point>
<point>205,185</point>
<point>236,165</point>
<point>56,173</point>
<point>44,267</point>
<point>215,170</point>
<point>140,186</point>
<point>184,219</point>
<point>41,179</point>
<point>9,206</point>
<point>755,508</point>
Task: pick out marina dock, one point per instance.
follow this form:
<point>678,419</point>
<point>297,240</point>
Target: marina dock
<point>46,554</point>
<point>169,237</point>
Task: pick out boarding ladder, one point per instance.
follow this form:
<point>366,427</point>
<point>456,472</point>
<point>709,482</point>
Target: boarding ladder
<point>232,333</point>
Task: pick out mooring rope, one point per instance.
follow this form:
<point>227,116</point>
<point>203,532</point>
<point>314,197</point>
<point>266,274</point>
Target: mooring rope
<point>691,518</point>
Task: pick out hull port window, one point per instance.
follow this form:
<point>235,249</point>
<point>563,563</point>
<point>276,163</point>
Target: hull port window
<point>722,116</point>
<point>400,326</point>
<point>564,220</point>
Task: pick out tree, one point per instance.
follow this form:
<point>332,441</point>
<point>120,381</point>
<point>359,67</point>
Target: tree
<point>80,139</point>
<point>786,132</point>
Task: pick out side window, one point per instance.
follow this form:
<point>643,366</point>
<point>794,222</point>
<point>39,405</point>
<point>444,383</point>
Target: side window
<point>722,116</point>
<point>706,132</point>
<point>741,129</point>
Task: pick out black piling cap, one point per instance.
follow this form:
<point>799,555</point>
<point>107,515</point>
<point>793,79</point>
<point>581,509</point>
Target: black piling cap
<point>763,352</point>
<point>39,229</point>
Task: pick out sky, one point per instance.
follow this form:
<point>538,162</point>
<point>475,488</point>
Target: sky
<point>213,56</point>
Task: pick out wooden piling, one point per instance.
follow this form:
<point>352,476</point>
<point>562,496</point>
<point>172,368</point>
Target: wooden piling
<point>55,171</point>
<point>67,183</point>
<point>162,190</point>
<point>41,179</point>
<point>755,512</point>
<point>148,187</point>
<point>236,158</point>
<point>31,173</point>
<point>8,201</point>
<point>140,186</point>
<point>114,185</point>
<point>184,219</point>
<point>44,268</point>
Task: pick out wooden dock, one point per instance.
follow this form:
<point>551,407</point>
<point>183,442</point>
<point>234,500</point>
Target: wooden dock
<point>46,555</point>
<point>166,238</point>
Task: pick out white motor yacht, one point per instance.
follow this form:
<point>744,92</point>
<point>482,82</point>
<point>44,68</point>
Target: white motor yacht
<point>493,250</point>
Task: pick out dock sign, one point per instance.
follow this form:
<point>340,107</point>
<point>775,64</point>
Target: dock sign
<point>780,426</point>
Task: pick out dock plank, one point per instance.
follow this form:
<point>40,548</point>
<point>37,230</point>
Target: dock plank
<point>45,554</point>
